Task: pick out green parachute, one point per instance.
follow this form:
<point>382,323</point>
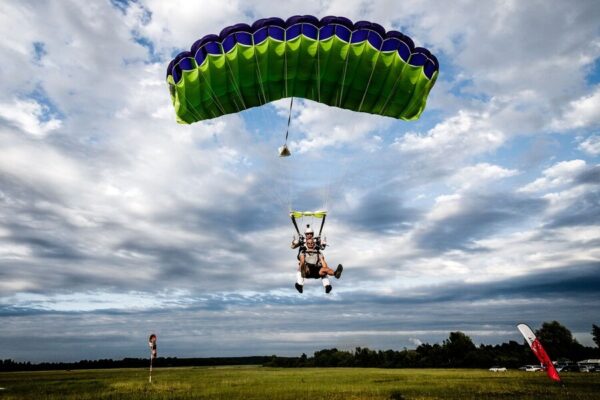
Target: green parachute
<point>356,66</point>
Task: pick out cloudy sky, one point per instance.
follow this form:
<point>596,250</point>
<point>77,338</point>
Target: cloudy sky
<point>115,221</point>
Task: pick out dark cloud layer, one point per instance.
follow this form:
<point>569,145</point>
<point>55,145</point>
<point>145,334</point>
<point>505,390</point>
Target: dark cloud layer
<point>236,324</point>
<point>382,212</point>
<point>480,215</point>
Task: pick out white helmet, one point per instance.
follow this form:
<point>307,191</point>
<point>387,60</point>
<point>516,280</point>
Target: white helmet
<point>309,230</point>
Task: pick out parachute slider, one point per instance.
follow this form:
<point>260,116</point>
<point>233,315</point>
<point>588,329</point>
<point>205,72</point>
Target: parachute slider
<point>284,151</point>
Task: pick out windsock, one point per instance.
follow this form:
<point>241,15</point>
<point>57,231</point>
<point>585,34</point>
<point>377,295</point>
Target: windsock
<point>538,350</point>
<point>152,344</point>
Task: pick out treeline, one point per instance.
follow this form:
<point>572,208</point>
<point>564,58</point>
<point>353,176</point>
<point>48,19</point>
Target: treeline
<point>458,351</point>
<point>10,365</point>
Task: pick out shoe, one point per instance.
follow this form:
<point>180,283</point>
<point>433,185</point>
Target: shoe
<point>299,287</point>
<point>338,271</point>
<point>328,288</point>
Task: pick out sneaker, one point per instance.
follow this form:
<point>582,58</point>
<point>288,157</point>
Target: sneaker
<point>328,288</point>
<point>338,271</point>
<point>299,287</point>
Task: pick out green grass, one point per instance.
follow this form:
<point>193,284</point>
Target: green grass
<point>248,383</point>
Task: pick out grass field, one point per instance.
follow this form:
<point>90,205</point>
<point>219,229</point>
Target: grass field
<point>230,383</point>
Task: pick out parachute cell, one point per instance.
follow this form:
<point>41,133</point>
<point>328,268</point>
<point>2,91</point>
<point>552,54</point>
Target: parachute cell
<point>357,66</point>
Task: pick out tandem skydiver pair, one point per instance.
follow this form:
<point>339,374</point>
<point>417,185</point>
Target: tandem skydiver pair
<point>311,262</point>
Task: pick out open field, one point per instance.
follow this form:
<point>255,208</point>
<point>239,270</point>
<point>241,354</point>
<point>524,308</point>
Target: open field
<point>310,383</point>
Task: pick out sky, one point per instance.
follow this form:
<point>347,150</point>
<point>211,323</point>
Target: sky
<point>115,221</point>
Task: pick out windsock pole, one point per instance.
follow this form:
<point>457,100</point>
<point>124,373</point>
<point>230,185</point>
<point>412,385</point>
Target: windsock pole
<point>152,345</point>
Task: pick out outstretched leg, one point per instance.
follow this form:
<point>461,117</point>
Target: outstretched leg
<point>326,271</point>
<point>301,273</point>
<point>326,284</point>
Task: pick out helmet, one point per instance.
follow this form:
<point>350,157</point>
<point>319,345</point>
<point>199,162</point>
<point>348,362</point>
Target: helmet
<point>309,230</point>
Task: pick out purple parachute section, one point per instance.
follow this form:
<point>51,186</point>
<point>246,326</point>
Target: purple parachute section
<point>311,27</point>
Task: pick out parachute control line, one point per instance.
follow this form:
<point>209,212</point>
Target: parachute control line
<point>315,214</point>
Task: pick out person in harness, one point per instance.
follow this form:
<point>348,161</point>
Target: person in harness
<point>311,262</point>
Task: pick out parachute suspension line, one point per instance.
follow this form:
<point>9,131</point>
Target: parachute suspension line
<point>370,77</point>
<point>195,112</point>
<point>339,185</point>
<point>236,88</point>
<point>275,194</point>
<point>389,96</point>
<point>287,177</point>
<point>327,193</point>
<point>213,95</point>
<point>322,225</point>
<point>264,100</point>
<point>345,70</point>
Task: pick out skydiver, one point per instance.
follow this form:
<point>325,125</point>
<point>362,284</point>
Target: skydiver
<point>311,262</point>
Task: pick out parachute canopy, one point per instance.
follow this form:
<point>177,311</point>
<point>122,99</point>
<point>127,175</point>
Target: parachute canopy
<point>357,66</point>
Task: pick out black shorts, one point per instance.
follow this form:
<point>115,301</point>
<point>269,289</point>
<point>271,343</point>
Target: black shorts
<point>313,271</point>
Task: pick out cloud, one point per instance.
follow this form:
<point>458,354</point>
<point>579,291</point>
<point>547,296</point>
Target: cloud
<point>457,221</point>
<point>591,145</point>
<point>458,138</point>
<point>580,113</point>
<point>560,174</point>
<point>178,24</point>
<point>31,117</point>
<point>244,325</point>
<point>571,189</point>
<point>479,175</point>
<point>380,212</point>
<point>324,126</point>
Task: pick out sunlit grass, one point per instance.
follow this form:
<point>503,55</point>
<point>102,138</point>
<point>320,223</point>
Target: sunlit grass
<point>250,383</point>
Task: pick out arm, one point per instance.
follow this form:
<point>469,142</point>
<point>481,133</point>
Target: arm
<point>296,243</point>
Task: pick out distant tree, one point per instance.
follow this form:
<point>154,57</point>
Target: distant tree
<point>596,334</point>
<point>364,357</point>
<point>431,356</point>
<point>459,349</point>
<point>558,340</point>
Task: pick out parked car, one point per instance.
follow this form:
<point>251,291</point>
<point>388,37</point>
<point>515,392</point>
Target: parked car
<point>531,368</point>
<point>573,368</point>
<point>498,369</point>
